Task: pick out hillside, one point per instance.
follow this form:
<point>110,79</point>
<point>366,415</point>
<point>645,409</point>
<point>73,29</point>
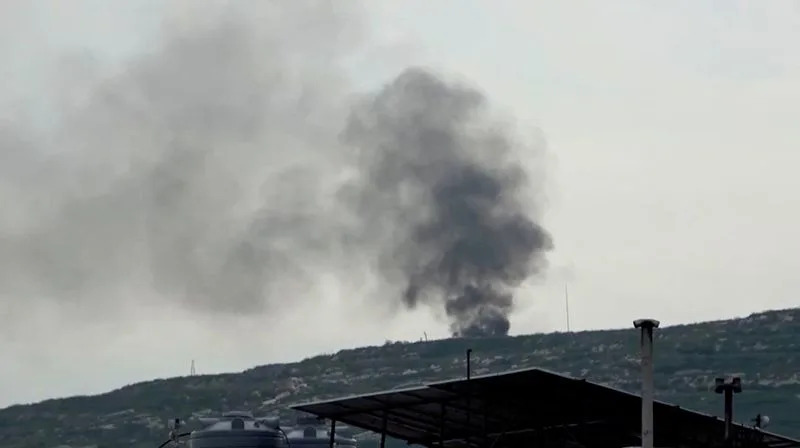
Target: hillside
<point>764,349</point>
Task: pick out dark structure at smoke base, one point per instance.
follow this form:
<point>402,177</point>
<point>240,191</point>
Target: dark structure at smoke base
<point>443,179</point>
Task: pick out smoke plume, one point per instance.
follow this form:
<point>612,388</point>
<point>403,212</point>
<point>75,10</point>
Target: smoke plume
<point>205,171</point>
<point>193,172</point>
<point>441,177</point>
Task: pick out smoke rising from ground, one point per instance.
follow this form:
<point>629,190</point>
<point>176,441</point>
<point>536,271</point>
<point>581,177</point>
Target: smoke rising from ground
<point>439,176</point>
<point>208,171</point>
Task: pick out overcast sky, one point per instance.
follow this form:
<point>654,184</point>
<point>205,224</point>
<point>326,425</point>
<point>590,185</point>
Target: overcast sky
<point>665,145</point>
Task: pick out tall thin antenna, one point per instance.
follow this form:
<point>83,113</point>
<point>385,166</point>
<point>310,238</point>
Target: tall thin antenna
<point>192,372</point>
<point>566,303</point>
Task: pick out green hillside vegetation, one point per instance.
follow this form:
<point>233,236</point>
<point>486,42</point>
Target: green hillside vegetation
<point>763,349</point>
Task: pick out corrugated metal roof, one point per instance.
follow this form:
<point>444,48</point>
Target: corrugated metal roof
<point>528,407</point>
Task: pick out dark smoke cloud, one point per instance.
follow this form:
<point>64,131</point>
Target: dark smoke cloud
<point>205,170</point>
<point>440,177</point>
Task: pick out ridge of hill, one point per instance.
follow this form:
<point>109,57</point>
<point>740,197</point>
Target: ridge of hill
<point>763,349</point>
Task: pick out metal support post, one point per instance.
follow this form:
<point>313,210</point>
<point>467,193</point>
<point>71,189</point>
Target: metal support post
<point>648,381</point>
<point>469,367</point>
<point>469,397</point>
<point>383,429</point>
<point>333,434</point>
<point>728,389</point>
<point>441,426</point>
<point>485,425</point>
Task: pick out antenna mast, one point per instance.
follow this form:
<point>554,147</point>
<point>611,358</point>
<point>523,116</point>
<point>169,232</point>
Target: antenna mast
<point>192,372</point>
<point>566,304</point>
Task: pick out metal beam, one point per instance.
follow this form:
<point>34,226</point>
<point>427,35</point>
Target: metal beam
<point>333,434</point>
<point>383,431</point>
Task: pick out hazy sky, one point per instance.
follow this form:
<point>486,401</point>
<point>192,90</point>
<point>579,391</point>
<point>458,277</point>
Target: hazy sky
<point>665,178</point>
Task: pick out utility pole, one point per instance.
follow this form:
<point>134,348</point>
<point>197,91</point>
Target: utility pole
<point>566,303</point>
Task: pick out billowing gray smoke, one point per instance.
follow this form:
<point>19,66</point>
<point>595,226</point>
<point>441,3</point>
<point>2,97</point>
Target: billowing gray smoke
<point>205,171</point>
<point>193,171</point>
<point>439,176</point>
